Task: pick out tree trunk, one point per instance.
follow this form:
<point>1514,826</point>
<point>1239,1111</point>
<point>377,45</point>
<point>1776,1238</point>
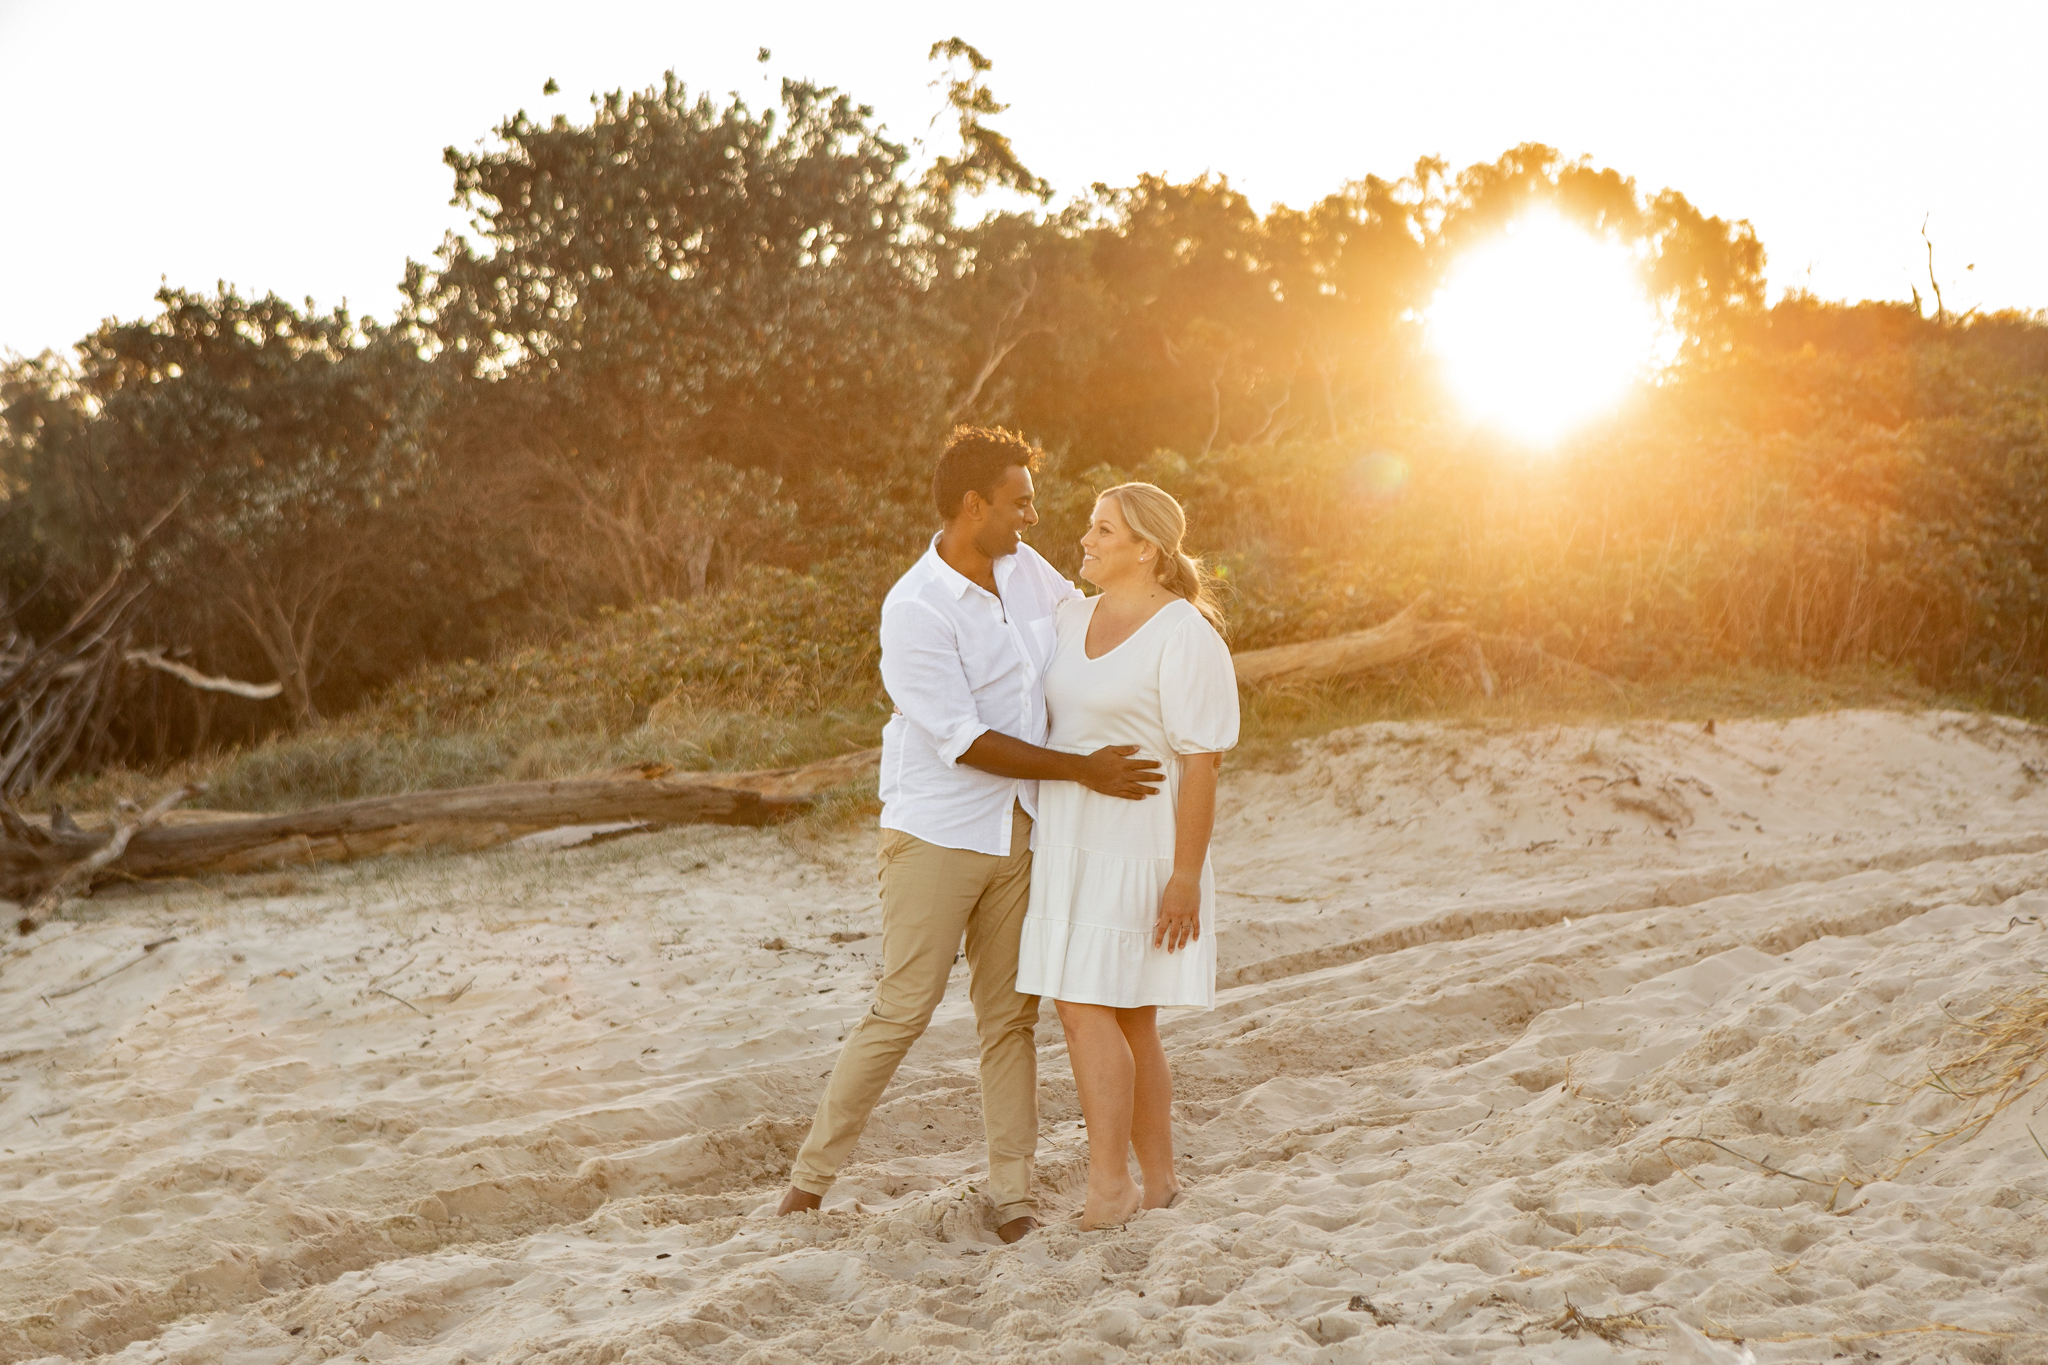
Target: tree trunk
<point>1215,405</point>
<point>284,632</point>
<point>697,551</point>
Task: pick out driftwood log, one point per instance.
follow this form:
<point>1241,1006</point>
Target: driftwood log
<point>1395,640</point>
<point>34,858</point>
<point>39,862</point>
<point>109,850</point>
<point>1403,636</point>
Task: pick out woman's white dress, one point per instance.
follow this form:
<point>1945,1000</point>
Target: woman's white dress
<point>1100,862</point>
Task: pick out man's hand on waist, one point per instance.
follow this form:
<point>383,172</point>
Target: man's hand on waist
<point>1112,770</point>
<point>1115,770</point>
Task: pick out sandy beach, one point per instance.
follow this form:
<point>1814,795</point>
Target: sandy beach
<point>1564,1044</point>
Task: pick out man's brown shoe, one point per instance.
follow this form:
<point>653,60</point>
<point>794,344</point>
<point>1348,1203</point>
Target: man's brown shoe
<point>795,1200</point>
<point>1017,1229</point>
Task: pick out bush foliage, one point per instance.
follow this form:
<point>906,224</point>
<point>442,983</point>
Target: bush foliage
<point>630,473</point>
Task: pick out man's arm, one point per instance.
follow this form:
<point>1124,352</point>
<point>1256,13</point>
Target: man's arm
<point>1110,770</point>
<point>921,672</point>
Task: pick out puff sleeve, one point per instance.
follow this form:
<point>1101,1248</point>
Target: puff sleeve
<point>1197,688</point>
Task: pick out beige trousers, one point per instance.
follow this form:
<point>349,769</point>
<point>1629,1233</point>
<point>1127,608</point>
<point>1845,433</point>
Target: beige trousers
<point>931,896</point>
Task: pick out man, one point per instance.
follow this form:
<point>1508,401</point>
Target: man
<point>966,637</point>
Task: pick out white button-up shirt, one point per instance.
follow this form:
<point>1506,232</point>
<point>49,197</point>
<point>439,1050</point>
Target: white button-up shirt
<point>958,661</point>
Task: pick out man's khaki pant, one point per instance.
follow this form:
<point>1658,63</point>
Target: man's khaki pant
<point>930,897</point>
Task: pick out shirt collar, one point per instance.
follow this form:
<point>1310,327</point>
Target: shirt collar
<point>958,583</point>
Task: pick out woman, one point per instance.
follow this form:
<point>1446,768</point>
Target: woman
<point>1122,916</point>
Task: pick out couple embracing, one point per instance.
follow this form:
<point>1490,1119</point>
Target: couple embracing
<point>1048,790</point>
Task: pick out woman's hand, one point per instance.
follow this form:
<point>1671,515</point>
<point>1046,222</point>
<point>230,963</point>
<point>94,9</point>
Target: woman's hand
<point>1180,913</point>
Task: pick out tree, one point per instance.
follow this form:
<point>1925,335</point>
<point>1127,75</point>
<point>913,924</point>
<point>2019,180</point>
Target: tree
<point>1705,272</point>
<point>674,288</point>
<point>271,429</point>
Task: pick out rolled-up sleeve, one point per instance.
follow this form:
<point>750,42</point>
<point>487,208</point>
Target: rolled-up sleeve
<point>921,672</point>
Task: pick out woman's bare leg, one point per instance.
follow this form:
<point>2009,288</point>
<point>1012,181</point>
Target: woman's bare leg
<point>1151,1104</point>
<point>1103,1074</point>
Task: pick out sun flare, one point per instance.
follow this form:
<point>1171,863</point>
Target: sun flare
<point>1542,328</point>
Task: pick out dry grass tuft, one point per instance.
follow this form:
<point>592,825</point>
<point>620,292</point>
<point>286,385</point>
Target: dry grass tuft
<point>1608,1327</point>
<point>853,806</point>
<point>2004,1058</point>
<point>1833,1187</point>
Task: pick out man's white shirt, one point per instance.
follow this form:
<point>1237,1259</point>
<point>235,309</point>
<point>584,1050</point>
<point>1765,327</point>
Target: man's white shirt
<point>958,662</point>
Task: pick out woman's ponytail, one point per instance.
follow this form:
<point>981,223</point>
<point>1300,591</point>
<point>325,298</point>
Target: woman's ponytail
<point>1155,516</point>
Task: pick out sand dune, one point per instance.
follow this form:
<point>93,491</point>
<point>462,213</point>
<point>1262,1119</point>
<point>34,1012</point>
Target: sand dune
<point>1570,1044</point>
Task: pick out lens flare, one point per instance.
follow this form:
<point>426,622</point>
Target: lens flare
<point>1543,328</point>
<point>1378,476</point>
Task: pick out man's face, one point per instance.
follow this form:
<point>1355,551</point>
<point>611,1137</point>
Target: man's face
<point>1010,513</point>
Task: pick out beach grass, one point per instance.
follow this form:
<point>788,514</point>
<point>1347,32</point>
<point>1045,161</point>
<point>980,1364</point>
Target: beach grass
<point>368,755</point>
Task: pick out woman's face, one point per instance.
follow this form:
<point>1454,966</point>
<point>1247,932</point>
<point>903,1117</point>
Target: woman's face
<point>1111,553</point>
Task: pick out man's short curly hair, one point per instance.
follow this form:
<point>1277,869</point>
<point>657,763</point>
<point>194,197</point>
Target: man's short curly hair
<point>975,459</point>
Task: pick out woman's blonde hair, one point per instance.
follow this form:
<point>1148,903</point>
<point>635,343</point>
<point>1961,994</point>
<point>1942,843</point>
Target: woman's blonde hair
<point>1156,517</point>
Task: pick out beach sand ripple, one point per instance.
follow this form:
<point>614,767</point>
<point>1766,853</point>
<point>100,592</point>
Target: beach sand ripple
<point>1562,1044</point>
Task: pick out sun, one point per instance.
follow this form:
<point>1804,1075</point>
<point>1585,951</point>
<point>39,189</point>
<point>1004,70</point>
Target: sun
<point>1543,327</point>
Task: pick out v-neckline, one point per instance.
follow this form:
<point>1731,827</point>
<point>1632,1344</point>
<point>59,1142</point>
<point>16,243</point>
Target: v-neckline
<point>1137,630</point>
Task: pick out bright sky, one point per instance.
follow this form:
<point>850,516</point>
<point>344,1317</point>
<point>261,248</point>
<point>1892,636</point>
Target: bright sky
<point>297,147</point>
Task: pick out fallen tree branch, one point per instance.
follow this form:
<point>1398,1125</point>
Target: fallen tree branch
<point>205,682</point>
<point>147,949</point>
<point>1397,639</point>
<point>54,696</point>
<point>116,844</point>
<point>36,862</point>
<point>1403,636</point>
